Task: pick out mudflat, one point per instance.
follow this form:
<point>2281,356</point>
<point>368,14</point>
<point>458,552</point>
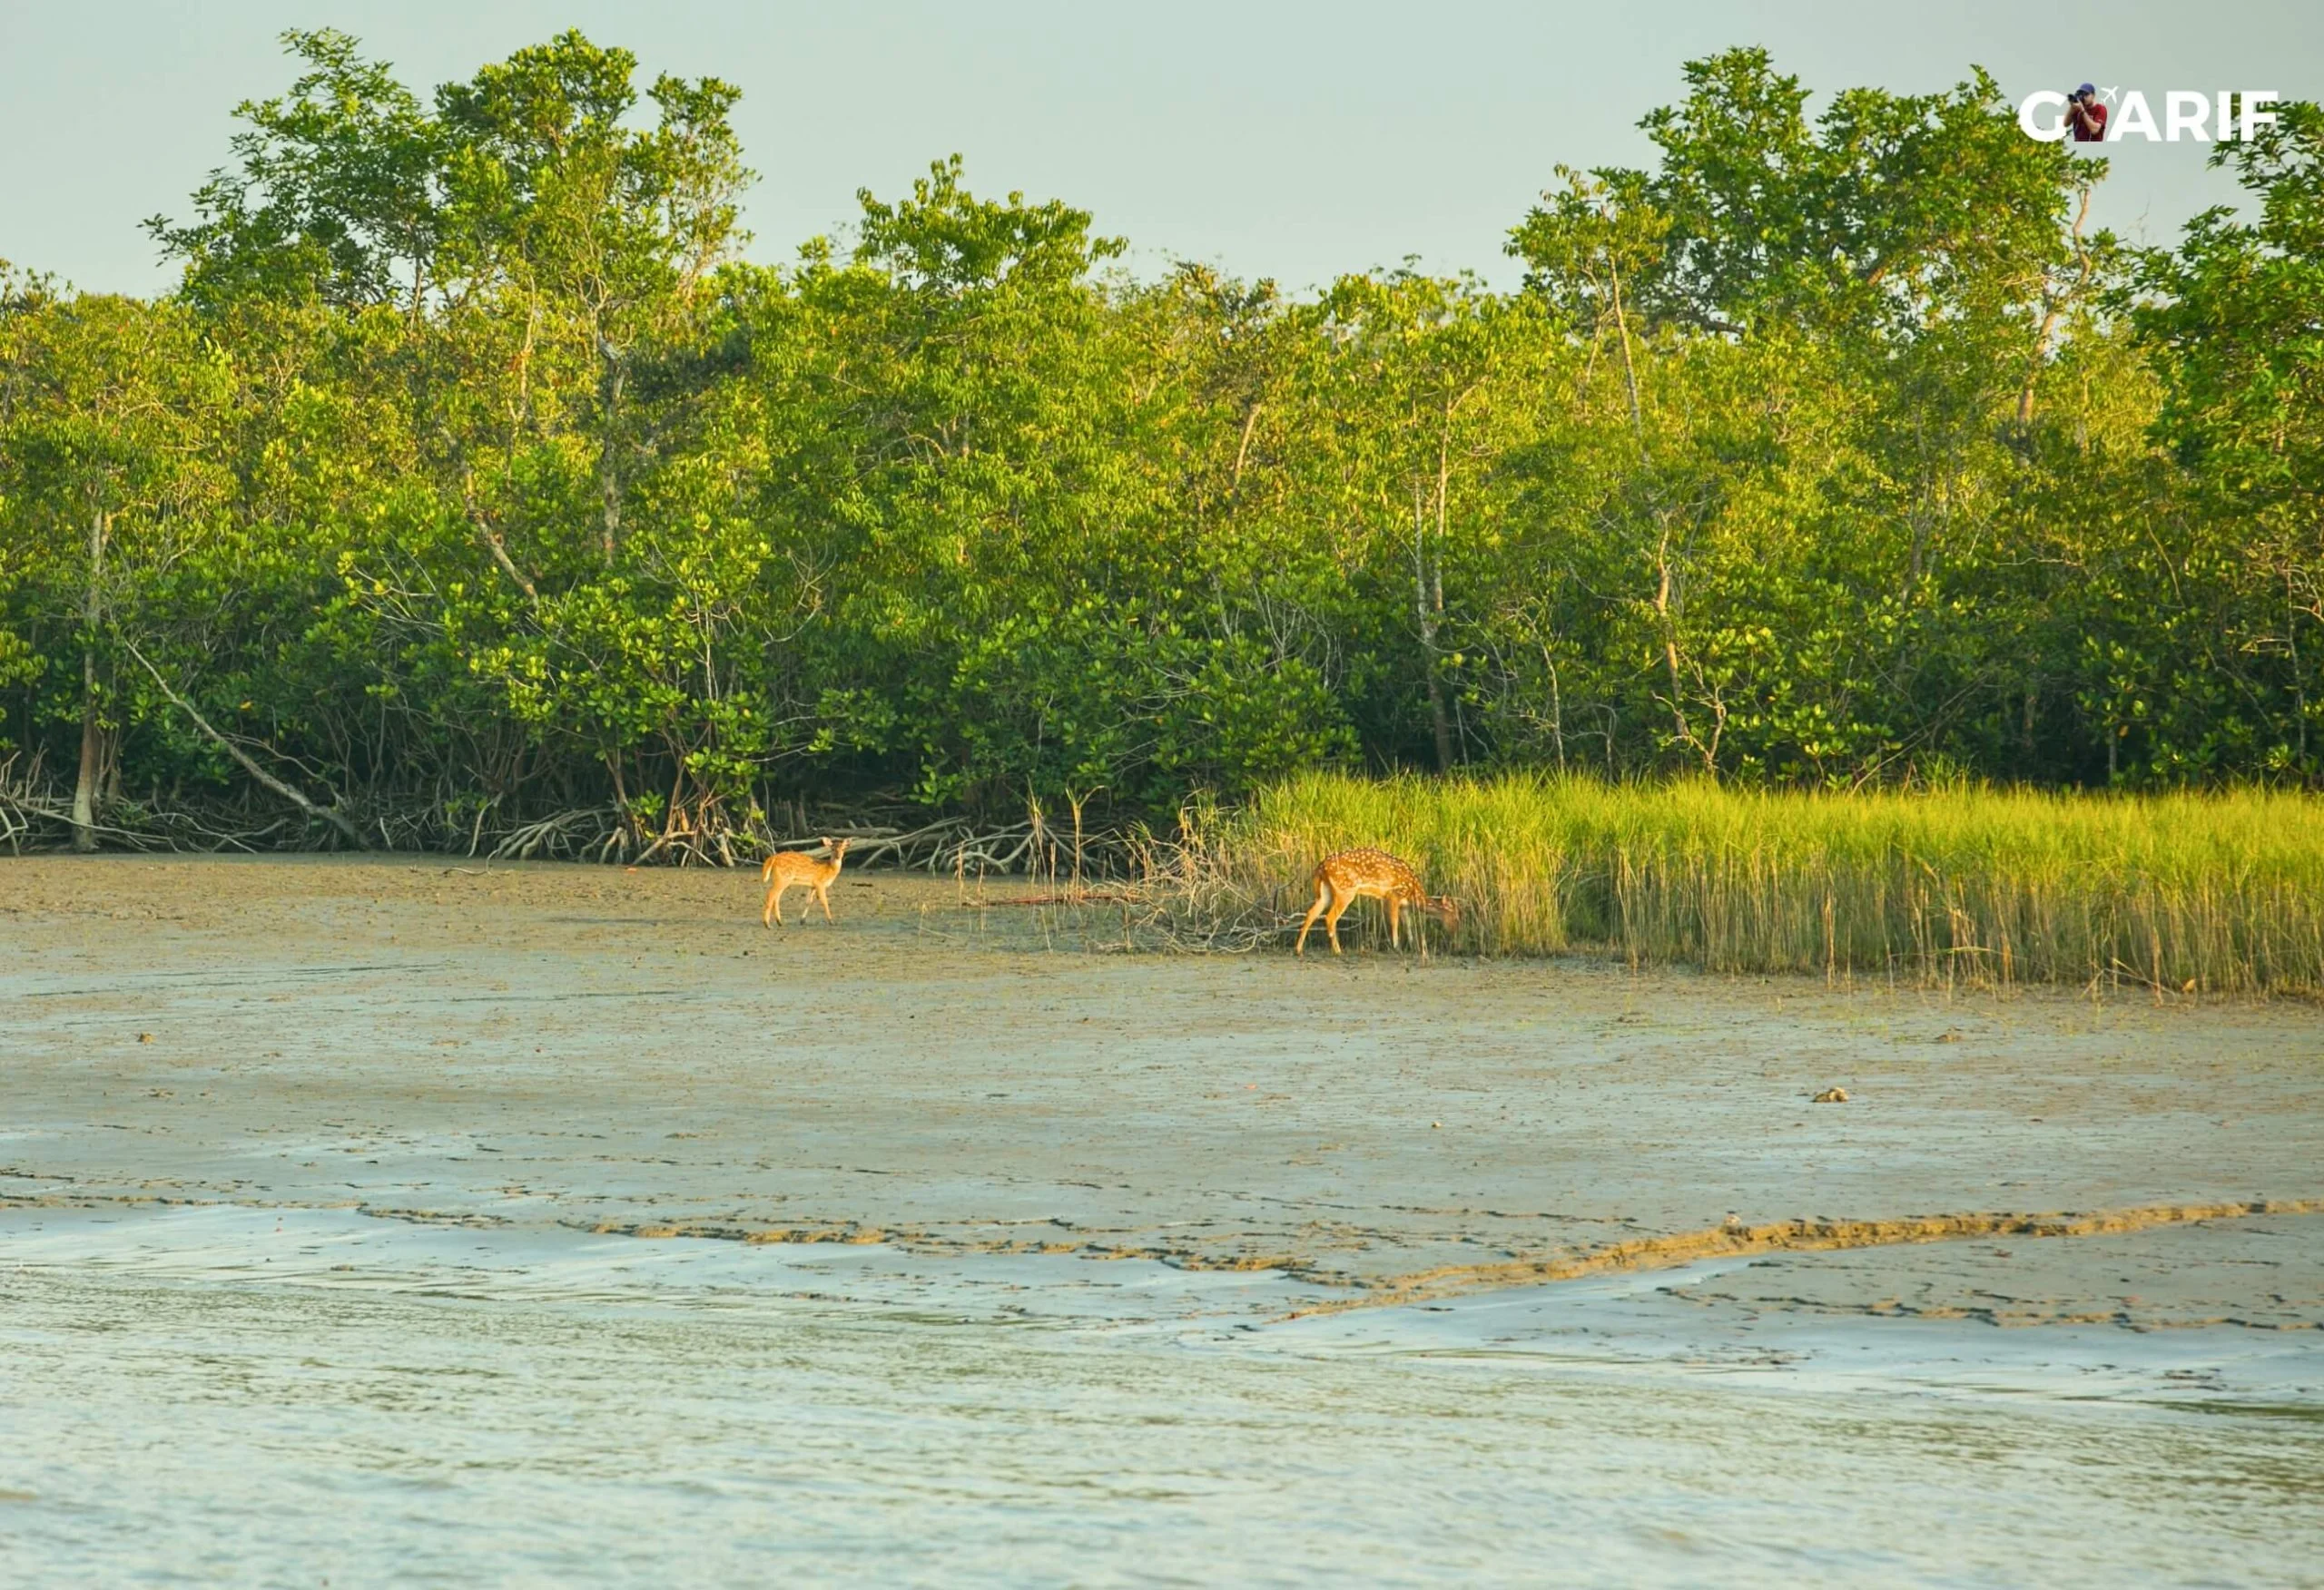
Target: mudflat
<point>382,1218</point>
<point>632,1052</point>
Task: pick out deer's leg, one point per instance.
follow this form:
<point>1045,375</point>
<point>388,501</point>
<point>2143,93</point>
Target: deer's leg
<point>1340,903</point>
<point>766,917</point>
<point>822,897</point>
<point>1322,898</point>
<point>1395,934</point>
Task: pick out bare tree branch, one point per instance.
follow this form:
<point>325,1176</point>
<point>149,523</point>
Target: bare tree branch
<point>330,815</point>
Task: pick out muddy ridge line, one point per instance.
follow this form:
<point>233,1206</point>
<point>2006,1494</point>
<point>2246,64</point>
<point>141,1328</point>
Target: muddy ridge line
<point>1646,1253</point>
<point>602,1050</point>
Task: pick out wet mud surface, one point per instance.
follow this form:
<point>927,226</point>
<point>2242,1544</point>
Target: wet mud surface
<point>633,1051</point>
<point>356,1110</point>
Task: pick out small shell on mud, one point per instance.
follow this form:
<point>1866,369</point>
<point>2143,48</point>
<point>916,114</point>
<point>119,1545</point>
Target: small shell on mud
<point>1831,1095</point>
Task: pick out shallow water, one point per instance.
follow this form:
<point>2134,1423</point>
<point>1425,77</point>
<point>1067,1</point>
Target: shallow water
<point>309,1396</point>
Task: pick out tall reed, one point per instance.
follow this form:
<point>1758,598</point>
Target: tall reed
<point>2185,892</point>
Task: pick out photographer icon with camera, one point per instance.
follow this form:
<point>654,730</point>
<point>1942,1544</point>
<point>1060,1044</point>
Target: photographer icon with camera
<point>2086,115</point>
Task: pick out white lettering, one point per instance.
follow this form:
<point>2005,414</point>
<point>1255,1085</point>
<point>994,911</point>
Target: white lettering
<point>2133,119</point>
<point>2229,114</point>
<point>2047,99</point>
<point>2254,118</point>
<point>2186,113</point>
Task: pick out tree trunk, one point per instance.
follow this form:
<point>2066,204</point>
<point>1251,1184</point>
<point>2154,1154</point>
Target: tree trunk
<point>1243,447</point>
<point>2292,611</point>
<point>608,455</point>
<point>85,788</point>
<point>1439,716</point>
<point>1629,370</point>
<point>93,734</point>
<point>1445,748</point>
<point>1557,706</point>
<point>1668,621</point>
<point>2051,307</point>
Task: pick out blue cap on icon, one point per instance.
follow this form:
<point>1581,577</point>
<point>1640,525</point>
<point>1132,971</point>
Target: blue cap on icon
<point>2087,88</point>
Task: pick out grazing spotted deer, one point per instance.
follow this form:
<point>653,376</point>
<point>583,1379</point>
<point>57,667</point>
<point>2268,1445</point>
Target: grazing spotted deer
<point>787,870</point>
<point>1349,875</point>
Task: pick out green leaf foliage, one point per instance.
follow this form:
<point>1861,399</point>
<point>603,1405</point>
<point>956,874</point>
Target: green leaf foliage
<point>470,477</point>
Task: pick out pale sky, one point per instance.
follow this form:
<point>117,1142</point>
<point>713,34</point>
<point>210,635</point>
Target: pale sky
<point>1289,140</point>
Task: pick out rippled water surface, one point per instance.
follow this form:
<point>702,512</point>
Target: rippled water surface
<point>310,1395</point>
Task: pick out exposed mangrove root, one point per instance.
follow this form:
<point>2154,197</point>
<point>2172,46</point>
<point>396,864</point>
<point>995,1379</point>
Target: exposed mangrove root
<point>35,815</point>
<point>588,833</point>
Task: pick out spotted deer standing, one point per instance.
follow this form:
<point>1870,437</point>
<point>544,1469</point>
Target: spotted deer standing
<point>1348,876</point>
<point>789,870</point>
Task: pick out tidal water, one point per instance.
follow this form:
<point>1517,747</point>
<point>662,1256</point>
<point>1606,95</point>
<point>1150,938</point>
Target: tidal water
<point>240,1396</point>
